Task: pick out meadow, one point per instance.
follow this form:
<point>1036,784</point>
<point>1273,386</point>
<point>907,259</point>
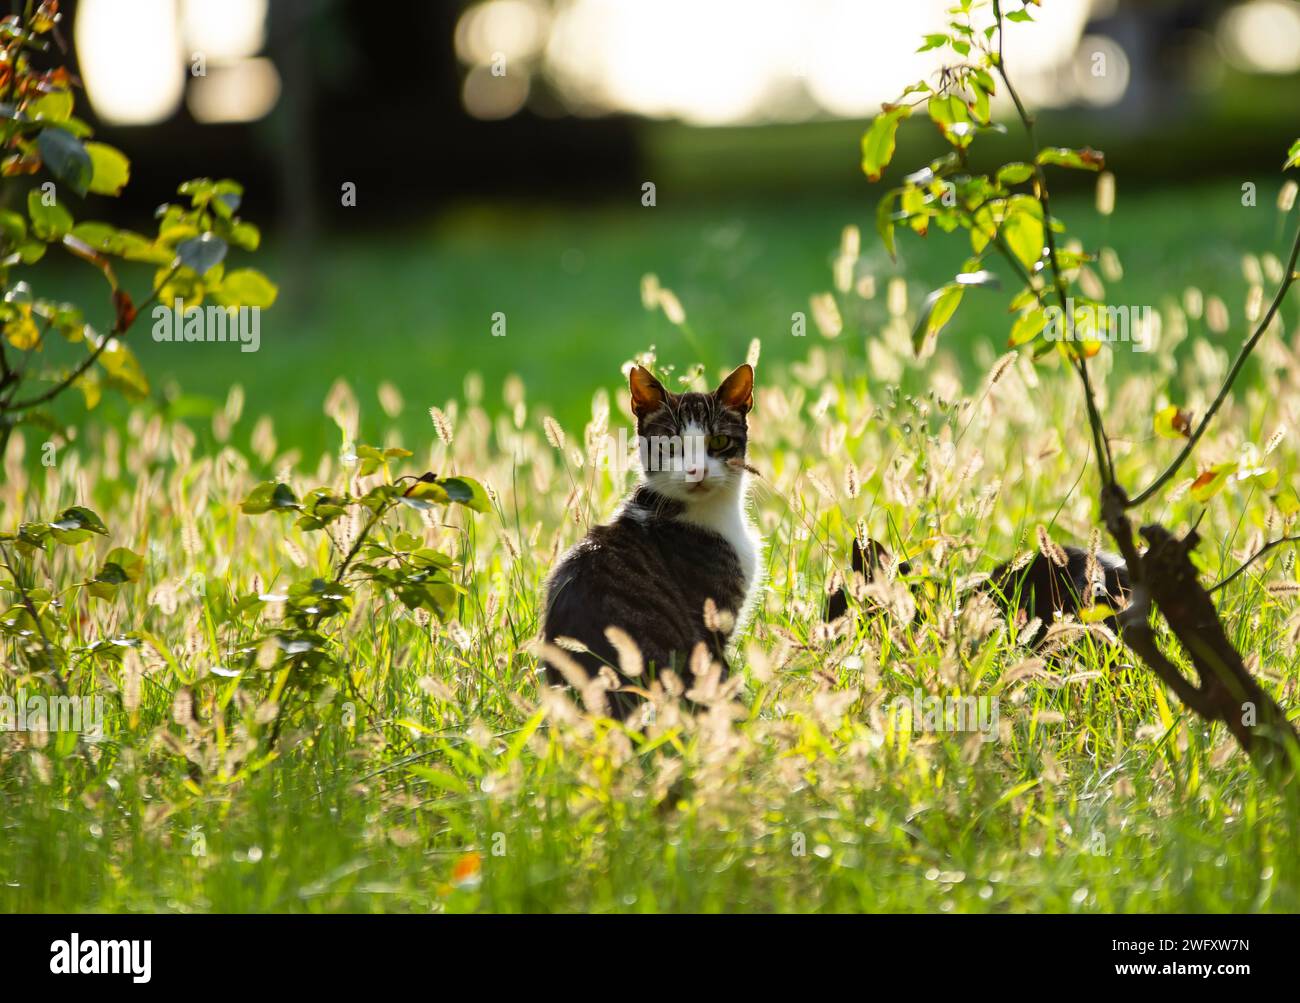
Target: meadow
<point>568,281</point>
<point>434,773</point>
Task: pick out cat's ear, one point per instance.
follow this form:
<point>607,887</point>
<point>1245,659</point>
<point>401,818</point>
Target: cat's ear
<point>737,390</point>
<point>648,394</point>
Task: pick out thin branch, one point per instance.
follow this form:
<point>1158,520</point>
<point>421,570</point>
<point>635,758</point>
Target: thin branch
<point>14,380</point>
<point>278,723</point>
<point>1228,380</point>
<point>118,331</point>
<point>1100,441</point>
<point>1252,559</point>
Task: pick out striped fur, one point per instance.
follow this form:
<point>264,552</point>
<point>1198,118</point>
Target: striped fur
<point>681,542</point>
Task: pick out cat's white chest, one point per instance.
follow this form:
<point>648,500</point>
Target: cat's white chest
<point>726,516</point>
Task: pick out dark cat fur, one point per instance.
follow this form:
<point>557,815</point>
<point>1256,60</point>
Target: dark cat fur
<point>679,540</point>
<point>1042,588</point>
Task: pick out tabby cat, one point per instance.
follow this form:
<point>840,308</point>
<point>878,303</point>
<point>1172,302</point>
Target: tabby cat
<point>672,577</point>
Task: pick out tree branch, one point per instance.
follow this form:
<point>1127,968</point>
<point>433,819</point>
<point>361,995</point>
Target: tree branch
<point>1251,560</point>
<point>119,331</point>
<point>1228,380</point>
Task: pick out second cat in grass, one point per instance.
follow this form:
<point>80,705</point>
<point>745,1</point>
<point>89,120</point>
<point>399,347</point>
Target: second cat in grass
<point>667,582</point>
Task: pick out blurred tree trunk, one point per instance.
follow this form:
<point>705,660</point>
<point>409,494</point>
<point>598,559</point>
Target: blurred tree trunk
<point>290,30</point>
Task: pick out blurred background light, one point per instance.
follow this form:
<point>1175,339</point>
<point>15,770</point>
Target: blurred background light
<point>729,62</point>
<point>131,59</point>
<point>514,28</point>
<point>244,91</point>
<point>491,97</point>
<point>1263,36</point>
<point>1101,71</point>
<point>224,29</point>
<point>856,59</point>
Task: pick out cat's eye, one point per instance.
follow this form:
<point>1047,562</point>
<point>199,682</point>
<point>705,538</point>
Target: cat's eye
<point>718,443</point>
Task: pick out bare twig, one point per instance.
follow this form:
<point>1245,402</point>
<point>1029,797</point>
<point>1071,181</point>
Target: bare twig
<point>1287,280</point>
<point>1272,544</point>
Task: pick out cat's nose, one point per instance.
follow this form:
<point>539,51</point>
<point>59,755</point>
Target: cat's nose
<point>694,473</point>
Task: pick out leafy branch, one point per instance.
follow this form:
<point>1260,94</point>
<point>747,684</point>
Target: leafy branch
<point>41,137</point>
<point>1288,279</point>
<point>1021,229</point>
<point>401,566</point>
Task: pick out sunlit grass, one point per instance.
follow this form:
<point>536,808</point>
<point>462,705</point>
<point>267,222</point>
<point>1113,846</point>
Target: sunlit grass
<point>438,777</point>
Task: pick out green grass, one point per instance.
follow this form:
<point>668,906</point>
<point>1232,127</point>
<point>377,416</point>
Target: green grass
<point>433,774</point>
<point>415,307</point>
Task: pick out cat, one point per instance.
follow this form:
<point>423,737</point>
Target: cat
<point>676,572</point>
<point>1041,588</point>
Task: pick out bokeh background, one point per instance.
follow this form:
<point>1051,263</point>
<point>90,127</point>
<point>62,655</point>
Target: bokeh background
<point>499,151</point>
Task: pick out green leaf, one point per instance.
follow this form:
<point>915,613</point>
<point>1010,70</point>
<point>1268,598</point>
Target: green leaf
<point>1023,229</point>
<point>879,141</point>
<point>76,524</point>
<point>440,779</point>
<point>1293,156</point>
<point>915,210</point>
<point>371,460</point>
<point>984,225</point>
<point>13,228</point>
<point>1086,159</point>
<point>121,566</point>
<point>270,496</point>
<point>428,490</point>
<point>126,244</point>
<point>1250,468</point>
<point>111,169</point>
<point>66,158</point>
<point>1212,481</point>
<point>1026,297</point>
<point>123,370</point>
<point>321,507</point>
<point>1027,327</point>
<point>55,106</point>
<point>202,253</point>
<point>952,117</point>
<point>246,287</point>
<point>936,311</point>
<point>979,104</point>
<point>49,222</point>
<point>21,331</point>
<point>30,251</point>
<point>245,236</point>
<point>468,492</point>
<point>1172,422</point>
<point>885,221</point>
<point>1014,173</point>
